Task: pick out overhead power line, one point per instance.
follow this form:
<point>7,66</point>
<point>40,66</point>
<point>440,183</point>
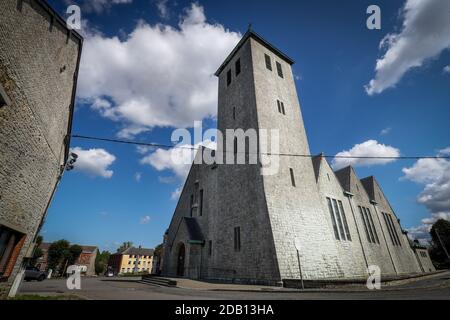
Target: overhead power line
<point>167,146</point>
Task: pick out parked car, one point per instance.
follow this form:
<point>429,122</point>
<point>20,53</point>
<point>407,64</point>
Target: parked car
<point>33,273</point>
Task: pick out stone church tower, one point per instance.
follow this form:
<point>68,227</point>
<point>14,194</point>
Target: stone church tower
<point>233,223</point>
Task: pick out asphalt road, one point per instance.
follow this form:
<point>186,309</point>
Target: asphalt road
<point>101,289</point>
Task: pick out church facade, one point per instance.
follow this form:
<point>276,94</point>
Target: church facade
<point>232,223</point>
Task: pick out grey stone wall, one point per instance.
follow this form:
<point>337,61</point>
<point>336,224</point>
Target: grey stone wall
<point>423,258</point>
<point>38,63</point>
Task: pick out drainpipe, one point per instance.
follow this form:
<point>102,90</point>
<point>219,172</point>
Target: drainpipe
<point>349,197</point>
<point>373,202</point>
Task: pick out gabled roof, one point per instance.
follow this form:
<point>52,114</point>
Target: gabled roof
<point>251,34</point>
<point>369,185</point>
<point>138,251</point>
<point>88,249</point>
<point>317,161</point>
<point>344,177</point>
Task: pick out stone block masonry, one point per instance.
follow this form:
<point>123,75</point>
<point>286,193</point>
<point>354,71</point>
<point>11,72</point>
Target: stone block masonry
<point>39,59</point>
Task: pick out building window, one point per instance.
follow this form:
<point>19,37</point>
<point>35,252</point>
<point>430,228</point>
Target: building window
<point>201,203</point>
<point>234,113</point>
<point>292,177</point>
<point>391,228</point>
<point>192,205</point>
<point>229,77</point>
<point>129,261</point>
<point>369,226</point>
<point>338,219</point>
<point>237,65</point>
<point>279,70</point>
<point>11,243</point>
<point>210,247</point>
<point>237,239</point>
<point>333,219</point>
<point>268,62</point>
<point>280,105</point>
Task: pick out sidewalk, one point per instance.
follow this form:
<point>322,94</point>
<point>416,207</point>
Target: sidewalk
<point>388,285</point>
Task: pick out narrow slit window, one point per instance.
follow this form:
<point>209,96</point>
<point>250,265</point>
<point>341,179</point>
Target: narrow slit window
<point>234,113</point>
<point>237,239</point>
<point>201,203</point>
<point>210,248</point>
<point>4,100</point>
<point>279,70</point>
<point>279,106</point>
<point>282,107</point>
<point>268,62</point>
<point>229,77</point>
<point>292,177</point>
<point>237,66</point>
<point>192,205</point>
<point>389,228</point>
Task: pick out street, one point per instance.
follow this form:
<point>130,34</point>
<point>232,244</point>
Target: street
<point>436,287</point>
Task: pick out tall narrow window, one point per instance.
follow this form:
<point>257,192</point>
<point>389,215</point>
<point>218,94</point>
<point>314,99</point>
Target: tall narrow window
<point>292,176</point>
<point>229,77</point>
<point>237,66</point>
<point>237,239</point>
<point>192,205</point>
<point>279,70</point>
<point>339,220</point>
<point>4,100</point>
<point>282,107</point>
<point>388,225</point>
<point>10,243</point>
<point>344,219</point>
<point>279,106</point>
<point>333,221</point>
<point>234,113</point>
<point>365,223</point>
<point>268,62</point>
<point>373,226</point>
<point>235,145</point>
<point>210,248</point>
<point>372,237</point>
<point>201,203</point>
<point>394,229</point>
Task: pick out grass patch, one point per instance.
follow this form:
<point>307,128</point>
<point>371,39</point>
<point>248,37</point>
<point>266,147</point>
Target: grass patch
<point>39,297</point>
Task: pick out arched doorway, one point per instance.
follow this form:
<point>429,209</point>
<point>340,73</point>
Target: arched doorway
<point>180,260</point>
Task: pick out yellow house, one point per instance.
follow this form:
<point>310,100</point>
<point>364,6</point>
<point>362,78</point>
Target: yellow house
<point>132,260</point>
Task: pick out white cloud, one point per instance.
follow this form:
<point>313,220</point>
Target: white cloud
<point>425,33</point>
<point>369,148</point>
<point>137,176</point>
<point>99,6</point>
<point>163,8</point>
<point>176,193</point>
<point>144,220</point>
<point>177,159</point>
<point>385,131</point>
<point>94,162</point>
<point>434,175</point>
<point>446,69</point>
<point>158,76</point>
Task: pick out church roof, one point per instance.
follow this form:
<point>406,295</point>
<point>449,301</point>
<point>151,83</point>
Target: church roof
<point>369,185</point>
<point>344,177</point>
<point>138,251</point>
<point>251,34</point>
<point>317,161</point>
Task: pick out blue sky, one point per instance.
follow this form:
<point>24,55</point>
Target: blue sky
<point>147,69</point>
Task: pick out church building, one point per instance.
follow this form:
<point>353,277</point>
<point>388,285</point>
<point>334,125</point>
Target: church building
<point>233,223</point>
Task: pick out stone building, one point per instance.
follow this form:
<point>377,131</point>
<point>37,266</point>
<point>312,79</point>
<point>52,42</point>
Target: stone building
<point>232,223</point>
<point>39,59</point>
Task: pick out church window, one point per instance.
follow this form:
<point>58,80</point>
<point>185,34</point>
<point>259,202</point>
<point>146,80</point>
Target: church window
<point>391,228</point>
<point>237,239</point>
<point>268,62</point>
<point>229,77</point>
<point>292,177</point>
<point>333,219</point>
<point>4,100</point>
<point>338,220</point>
<point>344,219</point>
<point>201,203</point>
<point>237,66</point>
<point>210,247</point>
<point>279,70</point>
<point>191,207</point>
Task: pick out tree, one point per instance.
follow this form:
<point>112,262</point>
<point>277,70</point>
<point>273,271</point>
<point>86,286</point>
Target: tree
<point>125,245</point>
<point>101,262</point>
<point>74,252</point>
<point>440,244</point>
<point>57,252</point>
